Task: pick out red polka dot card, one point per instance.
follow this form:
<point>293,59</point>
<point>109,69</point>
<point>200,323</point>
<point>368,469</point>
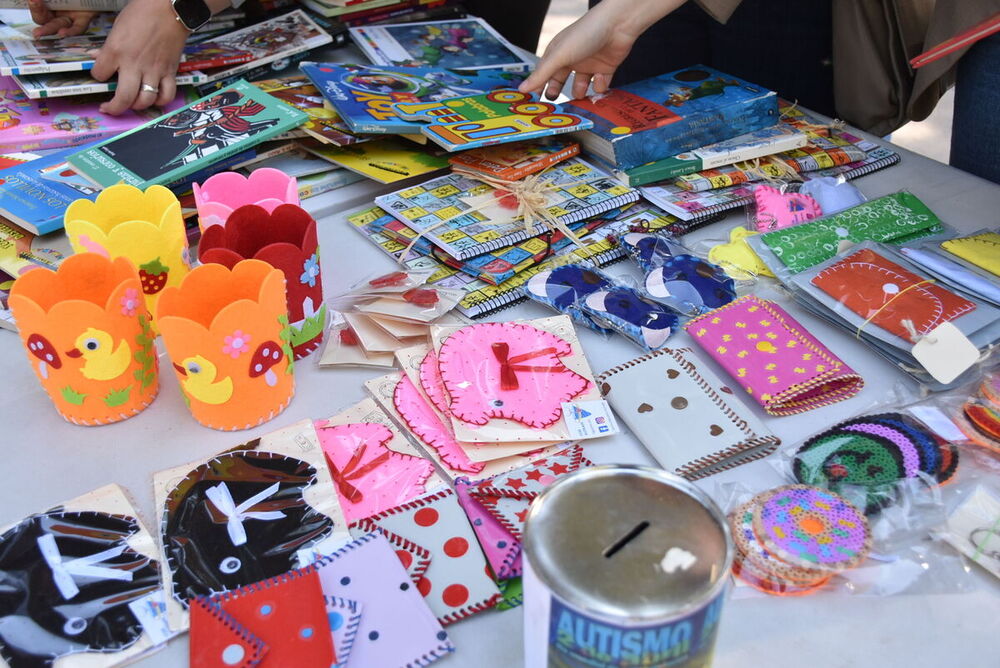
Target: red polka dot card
<point>457,582</point>
<point>396,627</point>
<point>269,624</point>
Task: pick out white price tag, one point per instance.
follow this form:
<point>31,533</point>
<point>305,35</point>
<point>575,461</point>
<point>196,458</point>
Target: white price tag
<point>945,352</point>
<point>942,425</point>
<point>151,611</point>
<point>589,419</point>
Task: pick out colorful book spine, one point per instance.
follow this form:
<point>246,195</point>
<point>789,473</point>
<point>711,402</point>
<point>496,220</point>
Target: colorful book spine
<point>747,146</point>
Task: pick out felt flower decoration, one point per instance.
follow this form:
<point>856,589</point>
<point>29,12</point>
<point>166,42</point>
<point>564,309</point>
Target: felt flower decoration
<point>247,303</point>
<point>144,226</point>
<point>225,192</point>
<point>88,337</point>
<point>286,239</point>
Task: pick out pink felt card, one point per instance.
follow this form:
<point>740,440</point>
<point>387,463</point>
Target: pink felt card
<point>781,365</point>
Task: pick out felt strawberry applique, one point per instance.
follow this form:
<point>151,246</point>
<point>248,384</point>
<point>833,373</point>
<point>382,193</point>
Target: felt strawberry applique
<point>153,276</point>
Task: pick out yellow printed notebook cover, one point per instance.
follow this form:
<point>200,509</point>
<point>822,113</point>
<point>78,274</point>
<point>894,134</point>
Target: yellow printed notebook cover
<point>385,160</point>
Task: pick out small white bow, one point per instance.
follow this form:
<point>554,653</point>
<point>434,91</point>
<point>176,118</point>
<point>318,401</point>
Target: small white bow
<point>63,571</point>
<point>223,500</point>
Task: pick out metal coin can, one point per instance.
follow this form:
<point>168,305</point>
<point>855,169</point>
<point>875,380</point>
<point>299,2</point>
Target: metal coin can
<point>624,566</point>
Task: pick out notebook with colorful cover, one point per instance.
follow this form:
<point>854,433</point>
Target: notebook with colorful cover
<point>465,217</point>
<point>463,44</point>
<point>68,84</point>
<point>27,125</point>
<point>658,118</point>
<point>685,415</point>
<point>324,123</point>
<point>27,56</point>
<point>512,162</point>
<point>363,94</point>
<point>188,139</point>
<point>35,195</point>
<point>385,160</point>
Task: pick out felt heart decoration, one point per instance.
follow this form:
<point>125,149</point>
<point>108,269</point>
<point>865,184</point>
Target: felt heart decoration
<point>777,210</point>
<point>286,239</point>
<point>432,384</point>
<point>370,477</point>
<point>690,284</point>
<point>508,370</point>
<point>737,258</point>
<point>421,419</point>
<point>645,322</point>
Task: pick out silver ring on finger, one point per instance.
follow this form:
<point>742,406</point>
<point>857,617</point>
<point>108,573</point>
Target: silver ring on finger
<point>146,88</point>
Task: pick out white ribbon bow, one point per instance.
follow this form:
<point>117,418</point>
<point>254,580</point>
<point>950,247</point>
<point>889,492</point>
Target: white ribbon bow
<point>63,571</point>
<point>223,500</point>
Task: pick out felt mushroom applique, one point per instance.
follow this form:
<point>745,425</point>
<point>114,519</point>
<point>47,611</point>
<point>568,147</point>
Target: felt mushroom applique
<point>265,358</point>
<point>47,356</point>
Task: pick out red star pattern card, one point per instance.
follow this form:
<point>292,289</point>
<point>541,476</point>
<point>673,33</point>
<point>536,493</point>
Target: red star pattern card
<point>455,583</point>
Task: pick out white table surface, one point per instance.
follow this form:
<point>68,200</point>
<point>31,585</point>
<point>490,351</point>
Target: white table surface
<point>46,460</point>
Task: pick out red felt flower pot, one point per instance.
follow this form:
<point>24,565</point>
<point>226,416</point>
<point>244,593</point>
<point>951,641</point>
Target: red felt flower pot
<point>286,239</point>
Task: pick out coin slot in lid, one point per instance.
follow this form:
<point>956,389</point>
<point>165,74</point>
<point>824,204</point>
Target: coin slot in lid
<point>613,549</point>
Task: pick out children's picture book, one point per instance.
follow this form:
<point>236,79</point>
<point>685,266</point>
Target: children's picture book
<point>38,56</point>
<point>465,217</point>
<point>16,158</point>
<point>658,118</point>
<point>317,184</point>
<point>756,144</point>
<point>35,195</point>
<point>363,95</point>
<point>214,53</point>
<point>188,139</point>
<point>384,160</point>
<point>21,250</point>
<point>498,117</point>
<point>269,41</point>
<point>324,123</point>
<point>512,162</point>
<point>69,84</point>
<point>463,44</point>
<point>27,125</point>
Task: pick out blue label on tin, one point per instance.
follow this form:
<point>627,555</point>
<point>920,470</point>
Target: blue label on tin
<point>579,641</point>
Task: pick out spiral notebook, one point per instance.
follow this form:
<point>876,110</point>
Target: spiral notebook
<point>686,416</point>
<point>465,217</point>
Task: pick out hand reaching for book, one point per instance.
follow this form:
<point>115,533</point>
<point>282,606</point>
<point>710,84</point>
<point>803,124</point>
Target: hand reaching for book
<point>594,46</point>
<point>60,24</point>
<point>144,48</point>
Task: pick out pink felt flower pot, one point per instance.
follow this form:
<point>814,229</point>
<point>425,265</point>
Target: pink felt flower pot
<point>225,192</point>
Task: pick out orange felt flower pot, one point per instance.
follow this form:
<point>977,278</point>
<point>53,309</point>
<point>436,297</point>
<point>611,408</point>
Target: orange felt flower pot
<point>227,334</point>
<point>88,337</point>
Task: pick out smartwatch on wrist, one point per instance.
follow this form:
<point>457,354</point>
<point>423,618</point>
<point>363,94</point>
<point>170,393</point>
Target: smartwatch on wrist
<point>192,14</point>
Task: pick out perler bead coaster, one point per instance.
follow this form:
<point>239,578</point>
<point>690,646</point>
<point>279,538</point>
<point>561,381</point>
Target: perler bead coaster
<point>811,528</point>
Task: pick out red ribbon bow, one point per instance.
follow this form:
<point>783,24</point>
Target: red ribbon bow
<point>351,471</point>
<point>508,365</point>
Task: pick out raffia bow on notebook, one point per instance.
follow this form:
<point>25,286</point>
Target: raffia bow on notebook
<point>532,210</point>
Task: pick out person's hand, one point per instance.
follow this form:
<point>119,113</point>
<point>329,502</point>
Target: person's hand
<point>594,46</point>
<point>61,24</point>
<point>144,48</point>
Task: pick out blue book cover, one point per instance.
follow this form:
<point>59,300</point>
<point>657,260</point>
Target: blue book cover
<point>35,195</point>
<point>363,95</point>
<point>658,118</point>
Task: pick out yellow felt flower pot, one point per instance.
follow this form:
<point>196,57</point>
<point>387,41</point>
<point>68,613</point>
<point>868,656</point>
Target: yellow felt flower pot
<point>144,226</point>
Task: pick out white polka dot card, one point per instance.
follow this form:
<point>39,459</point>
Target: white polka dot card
<point>685,415</point>
<point>456,583</point>
<point>396,628</point>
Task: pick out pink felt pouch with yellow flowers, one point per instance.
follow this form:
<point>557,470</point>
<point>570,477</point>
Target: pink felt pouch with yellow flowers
<point>783,367</point>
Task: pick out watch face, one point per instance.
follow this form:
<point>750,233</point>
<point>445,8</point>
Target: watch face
<point>192,13</point>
